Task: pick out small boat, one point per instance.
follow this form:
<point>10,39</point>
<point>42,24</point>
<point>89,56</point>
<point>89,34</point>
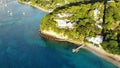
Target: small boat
<point>5,5</point>
<point>0,2</point>
<point>11,14</point>
<point>23,13</point>
<point>8,11</point>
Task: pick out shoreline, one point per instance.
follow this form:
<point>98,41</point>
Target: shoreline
<point>114,59</point>
<point>104,55</point>
<point>29,3</point>
<point>50,35</point>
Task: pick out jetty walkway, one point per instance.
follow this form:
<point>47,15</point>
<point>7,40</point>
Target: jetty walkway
<point>77,49</point>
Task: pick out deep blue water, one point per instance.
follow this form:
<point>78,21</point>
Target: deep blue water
<point>22,47</point>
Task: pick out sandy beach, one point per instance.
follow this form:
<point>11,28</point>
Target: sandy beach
<point>115,59</point>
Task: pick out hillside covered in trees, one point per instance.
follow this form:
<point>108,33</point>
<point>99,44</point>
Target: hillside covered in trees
<point>111,27</point>
<point>81,16</point>
<point>85,21</point>
<point>93,21</point>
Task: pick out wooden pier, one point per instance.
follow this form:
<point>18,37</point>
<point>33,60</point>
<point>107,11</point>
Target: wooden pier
<point>77,49</point>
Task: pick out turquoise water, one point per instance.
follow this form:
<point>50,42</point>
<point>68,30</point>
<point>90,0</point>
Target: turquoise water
<point>22,47</point>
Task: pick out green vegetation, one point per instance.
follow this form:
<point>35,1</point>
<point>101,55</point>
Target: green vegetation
<point>82,15</point>
<point>90,18</point>
<point>112,28</point>
<point>50,4</point>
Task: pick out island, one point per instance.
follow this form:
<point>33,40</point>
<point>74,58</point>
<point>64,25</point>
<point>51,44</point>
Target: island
<point>93,24</point>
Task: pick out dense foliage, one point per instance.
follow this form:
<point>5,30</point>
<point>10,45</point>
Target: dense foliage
<point>83,14</point>
<point>50,4</point>
<point>112,28</point>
